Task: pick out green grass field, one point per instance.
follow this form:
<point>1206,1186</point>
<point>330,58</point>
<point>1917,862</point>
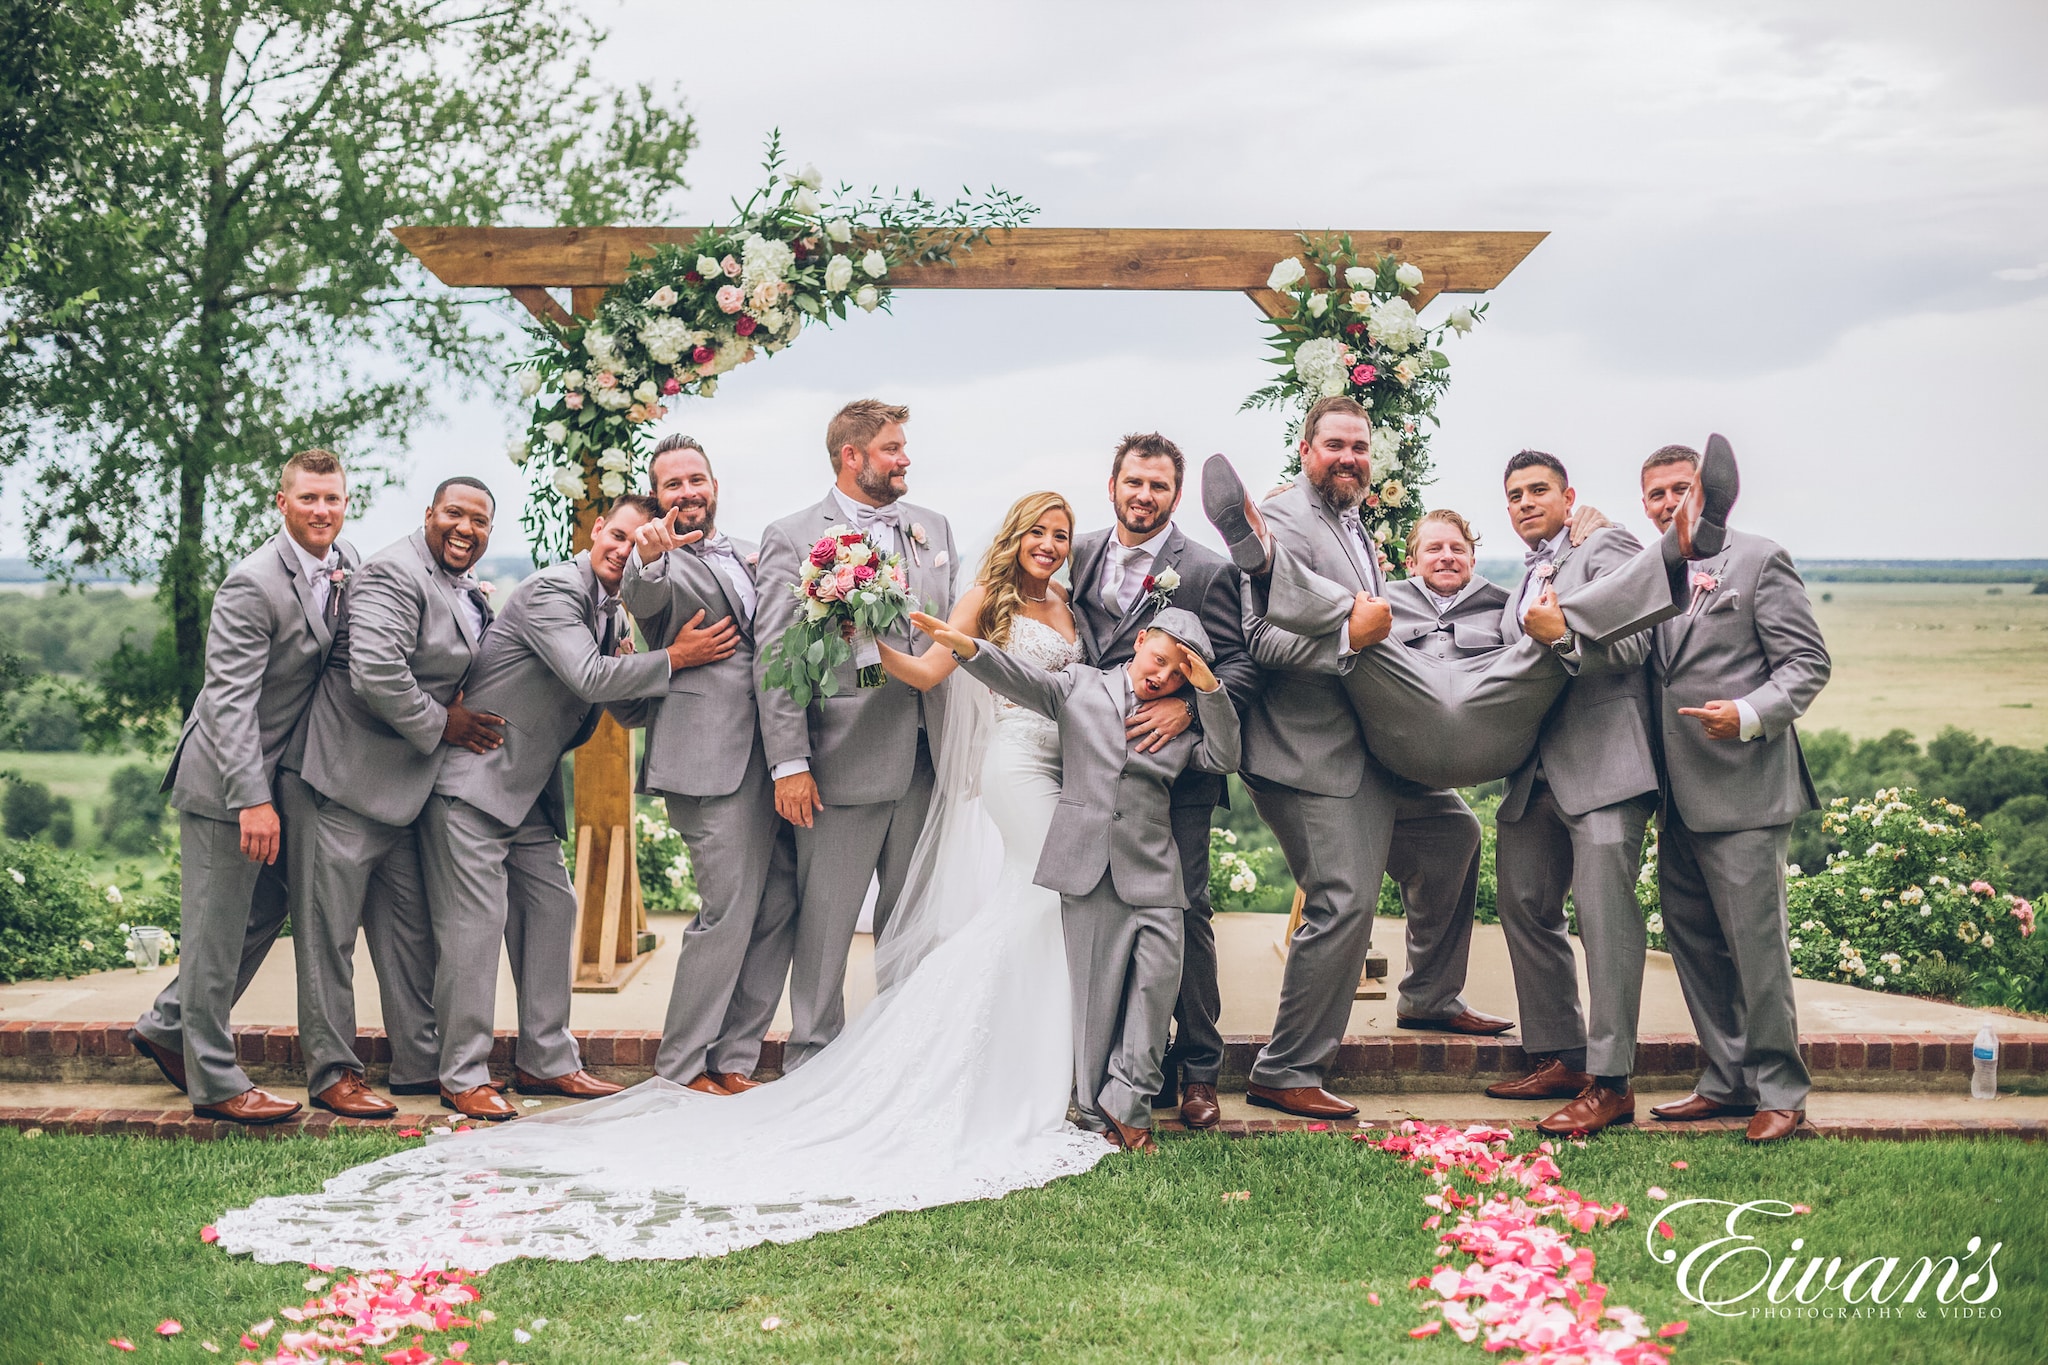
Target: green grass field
<point>1921,656</point>
<point>1139,1260</point>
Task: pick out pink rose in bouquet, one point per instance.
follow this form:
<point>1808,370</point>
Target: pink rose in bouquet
<point>731,298</point>
<point>824,552</point>
<point>844,580</point>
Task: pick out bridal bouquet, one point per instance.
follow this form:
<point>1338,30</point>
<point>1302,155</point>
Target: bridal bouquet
<point>846,581</point>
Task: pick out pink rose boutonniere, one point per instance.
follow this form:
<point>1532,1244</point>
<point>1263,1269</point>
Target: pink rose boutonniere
<point>1702,584</point>
<point>1543,573</point>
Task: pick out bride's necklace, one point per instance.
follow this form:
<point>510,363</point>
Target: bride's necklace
<point>1038,599</point>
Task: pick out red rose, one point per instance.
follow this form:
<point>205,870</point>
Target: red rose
<point>745,326</point>
<point>864,573</point>
<point>824,552</point>
<point>693,277</point>
<point>1148,584</point>
<point>702,355</point>
<point>850,538</point>
<point>1363,374</point>
<point>1355,329</point>
<point>672,385</point>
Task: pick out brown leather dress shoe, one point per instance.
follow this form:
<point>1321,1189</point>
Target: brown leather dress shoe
<point>479,1102</point>
<point>577,1085</point>
<point>1698,1106</point>
<point>251,1106</point>
<point>1303,1101</point>
<point>1551,1081</point>
<point>1464,1021</point>
<point>350,1098</point>
<point>172,1064</point>
<point>1596,1107</point>
<point>1133,1139</point>
<point>704,1085</point>
<point>733,1081</point>
<point>1198,1107</point>
<point>1774,1125</point>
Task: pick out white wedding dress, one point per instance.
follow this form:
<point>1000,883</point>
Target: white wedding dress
<point>953,1085</point>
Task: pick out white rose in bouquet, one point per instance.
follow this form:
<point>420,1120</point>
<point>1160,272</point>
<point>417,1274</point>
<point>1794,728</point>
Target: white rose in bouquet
<point>1324,366</point>
<point>568,483</point>
<point>665,339</point>
<point>868,298</point>
<point>1461,320</point>
<point>838,274</point>
<point>614,400</point>
<point>516,453</point>
<point>1393,493</point>
<point>1358,277</point>
<point>809,177</point>
<point>1408,277</point>
<point>612,483</point>
<point>839,230</point>
<point>663,298</point>
<point>1286,274</point>
<point>529,383</point>
<point>707,267</point>
<point>1318,304</point>
<point>572,380</point>
<point>876,264</point>
<point>557,433</point>
<point>646,393</point>
<point>1391,323</point>
<point>1407,372</point>
<point>805,201</point>
<point>617,460</point>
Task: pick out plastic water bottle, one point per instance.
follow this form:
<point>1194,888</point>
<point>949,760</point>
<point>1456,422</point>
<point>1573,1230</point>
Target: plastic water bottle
<point>1984,1052</point>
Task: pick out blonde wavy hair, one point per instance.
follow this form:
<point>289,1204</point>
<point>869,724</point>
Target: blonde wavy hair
<point>1000,573</point>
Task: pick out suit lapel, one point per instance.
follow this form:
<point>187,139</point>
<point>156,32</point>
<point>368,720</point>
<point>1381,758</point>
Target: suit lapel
<point>443,590</point>
<point>1681,626</point>
<point>1347,544</point>
<point>1167,558</point>
<point>303,590</point>
<point>1087,588</point>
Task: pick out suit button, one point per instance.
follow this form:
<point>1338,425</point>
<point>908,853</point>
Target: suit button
<point>1116,815</point>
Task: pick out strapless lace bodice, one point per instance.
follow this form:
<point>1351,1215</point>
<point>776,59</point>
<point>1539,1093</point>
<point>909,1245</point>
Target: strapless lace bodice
<point>1034,642</point>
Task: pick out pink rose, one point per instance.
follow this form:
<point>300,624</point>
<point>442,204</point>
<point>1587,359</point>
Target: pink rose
<point>864,574</point>
<point>1980,888</point>
<point>607,380</point>
<point>902,579</point>
<point>731,267</point>
<point>672,386</point>
<point>824,552</point>
<point>731,298</point>
<point>745,326</point>
<point>573,401</point>
<point>2023,911</point>
<point>844,575</point>
<point>825,588</point>
<point>702,355</point>
<point>1363,374</point>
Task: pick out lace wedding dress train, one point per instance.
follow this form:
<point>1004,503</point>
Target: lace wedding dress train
<point>952,1086</point>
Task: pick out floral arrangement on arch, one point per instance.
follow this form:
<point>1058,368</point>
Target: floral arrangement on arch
<point>1354,332</point>
<point>686,315</point>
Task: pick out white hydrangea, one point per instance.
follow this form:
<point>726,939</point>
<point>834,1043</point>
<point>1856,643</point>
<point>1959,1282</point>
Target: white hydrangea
<point>838,274</point>
<point>604,350</point>
<point>613,400</point>
<point>764,260</point>
<point>1391,323</point>
<point>612,483</point>
<point>1386,451</point>
<point>1324,365</point>
<point>666,338</point>
<point>1287,273</point>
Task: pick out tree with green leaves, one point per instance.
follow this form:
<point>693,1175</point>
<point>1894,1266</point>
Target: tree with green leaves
<point>214,287</point>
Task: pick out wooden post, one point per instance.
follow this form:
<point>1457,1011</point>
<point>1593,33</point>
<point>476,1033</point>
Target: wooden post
<point>611,919</point>
<point>1375,961</point>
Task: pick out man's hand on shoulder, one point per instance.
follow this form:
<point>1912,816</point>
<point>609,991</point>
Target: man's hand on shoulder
<point>697,644</point>
<point>1586,521</point>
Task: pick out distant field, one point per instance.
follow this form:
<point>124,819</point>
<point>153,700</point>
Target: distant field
<point>1920,656</point>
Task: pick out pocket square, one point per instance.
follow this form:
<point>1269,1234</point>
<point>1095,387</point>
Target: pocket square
<point>940,560</point>
<point>1728,601</point>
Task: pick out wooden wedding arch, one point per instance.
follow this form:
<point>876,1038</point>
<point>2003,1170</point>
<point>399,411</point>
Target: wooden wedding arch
<point>528,263</point>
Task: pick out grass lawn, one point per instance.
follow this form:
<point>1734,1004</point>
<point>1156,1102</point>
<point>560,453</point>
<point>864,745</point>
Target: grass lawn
<point>1140,1260</point>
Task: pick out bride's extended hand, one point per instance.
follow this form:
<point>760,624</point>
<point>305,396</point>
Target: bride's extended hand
<point>959,642</point>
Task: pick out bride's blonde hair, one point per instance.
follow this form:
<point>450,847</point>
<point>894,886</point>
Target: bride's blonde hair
<point>1000,572</point>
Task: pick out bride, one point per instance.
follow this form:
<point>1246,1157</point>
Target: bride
<point>953,1085</point>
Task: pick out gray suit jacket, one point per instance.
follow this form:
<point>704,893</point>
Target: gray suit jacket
<point>706,726</point>
<point>1752,639</point>
<point>1595,748</point>
<point>371,740</point>
<point>542,670</point>
<point>1115,807</point>
<point>265,647</point>
<point>1301,731</point>
<point>861,743</point>
<point>1211,588</point>
<point>1471,625</point>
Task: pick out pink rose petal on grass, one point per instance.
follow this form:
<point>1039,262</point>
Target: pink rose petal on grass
<point>1428,1329</point>
<point>169,1327</point>
<point>1657,1193</point>
<point>1674,1329</point>
<point>1373,1299</point>
<point>209,1234</point>
<point>1678,1165</point>
<point>1665,1230</point>
<point>121,1343</point>
<point>1801,1208</point>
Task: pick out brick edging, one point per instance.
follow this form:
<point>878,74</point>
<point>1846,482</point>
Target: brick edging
<point>183,1123</point>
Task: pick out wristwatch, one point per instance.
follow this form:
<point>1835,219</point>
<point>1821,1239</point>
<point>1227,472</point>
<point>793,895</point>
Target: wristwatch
<point>1189,702</point>
<point>1567,642</point>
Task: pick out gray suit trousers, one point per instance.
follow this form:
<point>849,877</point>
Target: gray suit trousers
<point>231,911</point>
<point>1434,858</point>
<point>1595,857</point>
<point>736,951</point>
<point>834,859</point>
<point>489,882</point>
<point>1337,848</point>
<point>1124,963</point>
<point>1724,917</point>
<point>352,873</point>
<point>1197,1048</point>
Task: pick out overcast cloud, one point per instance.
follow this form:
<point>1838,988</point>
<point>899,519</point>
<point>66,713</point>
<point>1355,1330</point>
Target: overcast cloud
<point>1822,231</point>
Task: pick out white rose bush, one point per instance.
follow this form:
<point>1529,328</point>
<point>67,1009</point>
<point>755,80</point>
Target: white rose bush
<point>1352,331</point>
<point>686,315</point>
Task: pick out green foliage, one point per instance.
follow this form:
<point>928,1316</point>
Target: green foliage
<point>46,721</point>
<point>26,809</point>
<point>74,631</point>
<point>210,282</point>
<point>667,881</point>
<point>131,818</point>
<point>63,822</point>
<point>1235,874</point>
<point>53,921</point>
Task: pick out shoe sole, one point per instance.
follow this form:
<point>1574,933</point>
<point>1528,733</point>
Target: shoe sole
<point>390,1113</point>
<point>1223,495</point>
<point>1585,1132</point>
<point>1695,1118</point>
<point>292,1112</point>
<point>479,1118</point>
<point>1261,1102</point>
<point>1720,480</point>
<point>1559,1094</point>
<point>1429,1026</point>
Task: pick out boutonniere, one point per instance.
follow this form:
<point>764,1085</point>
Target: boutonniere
<point>917,534</point>
<point>1702,584</point>
<point>338,576</point>
<point>753,559</point>
<point>1543,573</point>
<point>1160,588</point>
<point>486,587</point>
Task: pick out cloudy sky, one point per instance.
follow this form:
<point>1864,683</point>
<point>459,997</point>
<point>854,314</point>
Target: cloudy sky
<point>1822,231</point>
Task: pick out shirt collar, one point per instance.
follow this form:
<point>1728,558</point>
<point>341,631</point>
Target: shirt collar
<point>854,511</point>
<point>1149,546</point>
<point>310,566</point>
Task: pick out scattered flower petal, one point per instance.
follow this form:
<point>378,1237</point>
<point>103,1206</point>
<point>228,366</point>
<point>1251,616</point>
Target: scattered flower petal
<point>1657,1193</point>
<point>1373,1299</point>
<point>169,1327</point>
<point>521,1335</point>
<point>1674,1329</point>
<point>1428,1329</point>
<point>1678,1165</point>
<point>209,1234</point>
<point>770,1324</point>
<point>118,1343</point>
<point>1801,1208</point>
<point>1665,1230</point>
<point>1231,1196</point>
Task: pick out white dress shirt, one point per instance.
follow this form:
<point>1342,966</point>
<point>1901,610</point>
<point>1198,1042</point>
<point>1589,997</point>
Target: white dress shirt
<point>1532,586</point>
<point>1124,568</point>
<point>465,586</point>
<point>883,525</point>
<point>317,572</point>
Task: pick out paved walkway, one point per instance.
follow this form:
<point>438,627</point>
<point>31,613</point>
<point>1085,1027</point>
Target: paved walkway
<point>1246,943</point>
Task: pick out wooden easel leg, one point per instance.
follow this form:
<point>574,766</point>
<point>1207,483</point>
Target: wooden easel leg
<point>614,897</point>
<point>1375,961</point>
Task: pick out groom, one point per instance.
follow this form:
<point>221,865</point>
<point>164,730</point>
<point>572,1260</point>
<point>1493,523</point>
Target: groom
<point>1110,851</point>
<point>1120,576</point>
<point>853,772</point>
